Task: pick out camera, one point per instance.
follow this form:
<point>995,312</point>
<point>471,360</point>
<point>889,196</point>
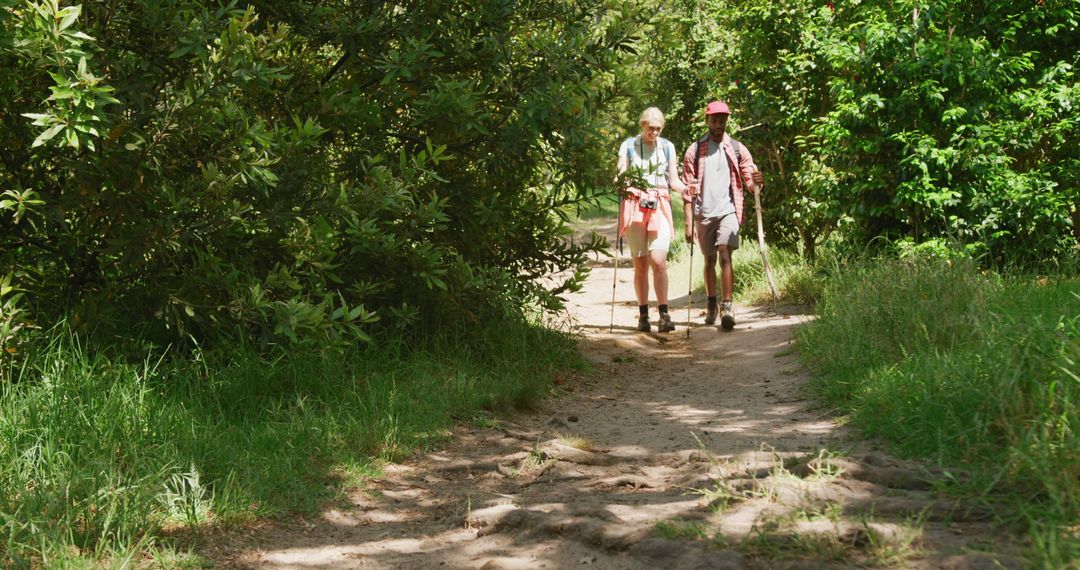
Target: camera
<point>648,202</point>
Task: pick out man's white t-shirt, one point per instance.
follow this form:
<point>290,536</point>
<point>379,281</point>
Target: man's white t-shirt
<point>716,185</point>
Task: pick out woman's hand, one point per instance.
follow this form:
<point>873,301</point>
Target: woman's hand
<point>690,191</point>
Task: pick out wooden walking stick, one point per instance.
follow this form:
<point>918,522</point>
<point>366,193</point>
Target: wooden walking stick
<point>762,248</point>
<point>690,285</point>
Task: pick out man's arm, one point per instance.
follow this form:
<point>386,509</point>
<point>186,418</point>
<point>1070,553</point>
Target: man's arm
<point>752,178</point>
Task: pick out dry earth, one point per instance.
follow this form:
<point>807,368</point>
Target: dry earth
<point>674,452</point>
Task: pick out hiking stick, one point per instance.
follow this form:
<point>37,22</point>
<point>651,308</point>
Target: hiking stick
<point>690,285</point>
<point>764,249</point>
<point>615,272</point>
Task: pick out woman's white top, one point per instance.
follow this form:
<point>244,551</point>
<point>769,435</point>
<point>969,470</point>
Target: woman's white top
<point>652,161</point>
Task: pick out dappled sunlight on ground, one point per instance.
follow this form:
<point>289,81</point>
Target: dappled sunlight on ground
<point>674,452</point>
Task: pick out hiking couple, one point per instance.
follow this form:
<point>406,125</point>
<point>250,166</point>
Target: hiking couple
<point>716,171</point>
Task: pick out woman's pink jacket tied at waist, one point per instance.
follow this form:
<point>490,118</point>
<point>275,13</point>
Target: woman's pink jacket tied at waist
<point>633,213</point>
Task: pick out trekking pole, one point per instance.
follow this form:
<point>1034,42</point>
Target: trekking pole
<point>764,249</point>
<point>615,272</point>
<point>690,285</point>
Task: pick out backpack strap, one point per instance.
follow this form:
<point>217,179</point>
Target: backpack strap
<point>702,150</point>
<point>667,155</point>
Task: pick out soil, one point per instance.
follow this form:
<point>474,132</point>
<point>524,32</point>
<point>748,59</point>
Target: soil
<point>672,452</point>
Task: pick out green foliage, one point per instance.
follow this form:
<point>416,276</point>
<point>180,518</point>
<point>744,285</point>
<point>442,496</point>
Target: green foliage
<point>98,455</point>
<point>294,170</point>
<point>797,280</point>
<point>891,119</point>
<point>960,365</point>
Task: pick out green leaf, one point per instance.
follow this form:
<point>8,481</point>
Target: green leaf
<point>47,135</point>
<point>68,16</point>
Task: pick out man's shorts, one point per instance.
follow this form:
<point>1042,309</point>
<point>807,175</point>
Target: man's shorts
<point>641,241</point>
<point>713,232</point>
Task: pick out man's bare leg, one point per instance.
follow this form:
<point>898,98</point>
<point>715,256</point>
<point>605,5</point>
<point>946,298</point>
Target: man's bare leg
<point>727,287</point>
<point>727,273</point>
<point>710,275</point>
<point>710,289</point>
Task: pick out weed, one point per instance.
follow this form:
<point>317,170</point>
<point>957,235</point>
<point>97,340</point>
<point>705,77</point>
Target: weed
<point>186,500</point>
<point>484,420</point>
<point>681,530</point>
<point>771,539</point>
<point>720,496</point>
<point>896,549</point>
<point>577,442</point>
<point>535,459</point>
<point>824,466</point>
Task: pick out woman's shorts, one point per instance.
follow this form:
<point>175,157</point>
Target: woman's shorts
<point>641,241</point>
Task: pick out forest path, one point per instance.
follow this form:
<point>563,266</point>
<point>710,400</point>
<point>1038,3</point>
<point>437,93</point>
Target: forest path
<point>674,453</point>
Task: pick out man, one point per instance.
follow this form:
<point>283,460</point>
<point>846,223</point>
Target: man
<point>717,169</point>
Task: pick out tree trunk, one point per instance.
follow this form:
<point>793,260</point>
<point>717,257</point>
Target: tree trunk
<point>1076,221</point>
<point>809,243</point>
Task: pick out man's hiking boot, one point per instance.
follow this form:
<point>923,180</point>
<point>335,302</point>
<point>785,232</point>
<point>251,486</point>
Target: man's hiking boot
<point>643,323</point>
<point>665,324</point>
<point>727,316</point>
<point>710,316</point>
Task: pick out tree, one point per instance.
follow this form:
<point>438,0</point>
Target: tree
<point>917,121</point>
<point>297,170</point>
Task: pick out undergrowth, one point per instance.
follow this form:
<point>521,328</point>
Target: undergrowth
<point>966,367</point>
<point>100,458</point>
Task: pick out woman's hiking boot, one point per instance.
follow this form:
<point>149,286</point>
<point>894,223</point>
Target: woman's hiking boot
<point>643,323</point>
<point>665,324</point>
<point>727,316</point>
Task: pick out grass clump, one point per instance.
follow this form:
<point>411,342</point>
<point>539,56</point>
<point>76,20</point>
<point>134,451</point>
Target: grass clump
<point>100,458</point>
<point>960,365</point>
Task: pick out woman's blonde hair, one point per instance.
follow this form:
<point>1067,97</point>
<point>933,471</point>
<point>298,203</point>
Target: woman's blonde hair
<point>652,114</point>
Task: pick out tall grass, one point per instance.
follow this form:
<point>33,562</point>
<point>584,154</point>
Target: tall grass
<point>952,363</point>
<point>797,281</point>
<point>98,457</point>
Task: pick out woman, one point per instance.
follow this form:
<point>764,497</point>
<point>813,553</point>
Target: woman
<point>645,213</point>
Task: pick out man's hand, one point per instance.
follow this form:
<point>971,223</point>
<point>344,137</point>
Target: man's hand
<point>689,233</point>
<point>758,179</point>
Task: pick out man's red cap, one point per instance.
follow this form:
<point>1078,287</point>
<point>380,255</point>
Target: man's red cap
<point>717,108</point>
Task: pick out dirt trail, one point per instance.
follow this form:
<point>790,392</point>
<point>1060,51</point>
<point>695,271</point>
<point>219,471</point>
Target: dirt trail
<point>674,453</point>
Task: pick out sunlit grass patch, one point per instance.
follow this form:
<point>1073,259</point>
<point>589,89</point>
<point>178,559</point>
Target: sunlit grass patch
<point>965,367</point>
<point>577,442</point>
